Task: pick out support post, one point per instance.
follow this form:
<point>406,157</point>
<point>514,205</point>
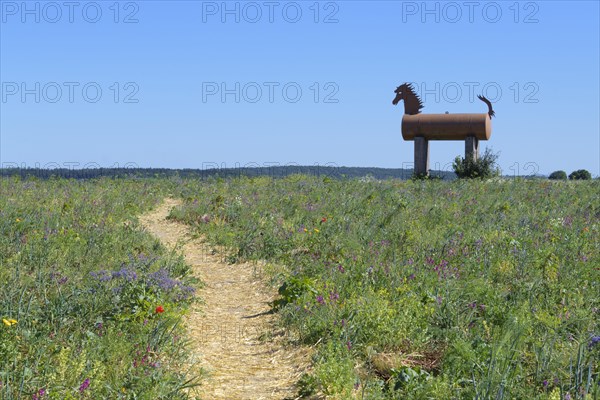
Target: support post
<point>471,148</point>
<point>421,156</point>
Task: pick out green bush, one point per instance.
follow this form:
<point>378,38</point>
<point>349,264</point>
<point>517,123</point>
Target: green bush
<point>558,176</point>
<point>482,168</point>
<point>580,174</point>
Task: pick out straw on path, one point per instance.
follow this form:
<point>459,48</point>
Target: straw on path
<point>234,337</point>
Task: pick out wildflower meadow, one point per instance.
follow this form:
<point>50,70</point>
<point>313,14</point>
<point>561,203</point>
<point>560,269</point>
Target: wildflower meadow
<point>423,290</point>
<point>90,305</point>
<point>403,289</point>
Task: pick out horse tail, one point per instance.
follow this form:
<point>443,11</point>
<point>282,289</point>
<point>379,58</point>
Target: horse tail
<point>491,112</point>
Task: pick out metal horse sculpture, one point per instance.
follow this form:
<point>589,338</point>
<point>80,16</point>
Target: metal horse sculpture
<point>424,127</point>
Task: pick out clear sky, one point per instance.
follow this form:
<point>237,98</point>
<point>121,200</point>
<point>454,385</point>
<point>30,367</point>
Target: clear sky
<point>197,84</point>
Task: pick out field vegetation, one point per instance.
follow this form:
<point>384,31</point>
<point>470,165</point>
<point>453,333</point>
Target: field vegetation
<point>485,289</point>
<point>423,289</point>
<point>90,306</point>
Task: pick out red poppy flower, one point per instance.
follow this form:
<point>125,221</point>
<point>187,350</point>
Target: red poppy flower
<point>323,219</point>
<point>159,309</point>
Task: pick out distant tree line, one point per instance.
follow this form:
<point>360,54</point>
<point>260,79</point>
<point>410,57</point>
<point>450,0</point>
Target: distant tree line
<point>484,168</point>
<point>275,171</point>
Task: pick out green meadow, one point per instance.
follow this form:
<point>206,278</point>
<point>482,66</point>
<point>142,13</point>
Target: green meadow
<point>80,291</point>
<point>424,290</point>
<point>405,289</point>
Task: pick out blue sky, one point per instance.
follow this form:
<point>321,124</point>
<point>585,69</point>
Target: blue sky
<point>197,84</point>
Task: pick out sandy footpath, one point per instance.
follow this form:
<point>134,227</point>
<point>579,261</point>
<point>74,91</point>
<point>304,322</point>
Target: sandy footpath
<point>234,338</point>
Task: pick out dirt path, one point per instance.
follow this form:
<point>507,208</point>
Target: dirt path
<point>233,336</point>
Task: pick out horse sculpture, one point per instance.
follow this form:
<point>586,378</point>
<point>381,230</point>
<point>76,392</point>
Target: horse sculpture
<point>424,127</point>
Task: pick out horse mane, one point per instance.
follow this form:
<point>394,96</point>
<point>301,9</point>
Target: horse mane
<point>412,101</point>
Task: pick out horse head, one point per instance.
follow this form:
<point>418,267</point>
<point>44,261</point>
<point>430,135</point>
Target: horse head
<point>412,102</point>
<point>399,94</point>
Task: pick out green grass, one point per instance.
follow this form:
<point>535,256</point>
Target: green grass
<point>416,290</point>
<point>83,282</point>
<point>408,290</point>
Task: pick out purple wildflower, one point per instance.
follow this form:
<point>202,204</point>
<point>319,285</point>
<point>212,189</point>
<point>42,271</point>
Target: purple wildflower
<point>594,340</point>
<point>320,299</point>
<point>58,277</point>
<point>341,269</point>
<point>186,293</point>
<point>84,385</point>
<point>102,276</point>
<point>349,345</point>
<point>125,273</point>
<point>162,280</point>
<point>333,296</point>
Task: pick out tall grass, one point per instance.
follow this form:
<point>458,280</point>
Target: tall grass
<point>414,290</point>
<point>80,287</point>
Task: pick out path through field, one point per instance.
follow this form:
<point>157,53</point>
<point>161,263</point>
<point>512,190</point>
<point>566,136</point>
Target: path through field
<point>233,336</point>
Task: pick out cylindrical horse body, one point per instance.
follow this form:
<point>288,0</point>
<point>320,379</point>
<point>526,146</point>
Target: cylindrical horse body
<point>446,126</point>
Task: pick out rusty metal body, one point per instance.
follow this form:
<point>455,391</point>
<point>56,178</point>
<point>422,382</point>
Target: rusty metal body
<point>446,126</point>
